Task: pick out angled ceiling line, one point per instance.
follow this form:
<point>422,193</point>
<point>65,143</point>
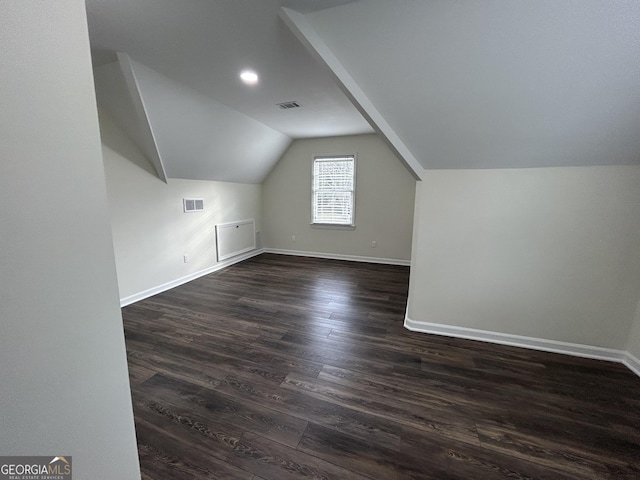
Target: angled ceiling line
<point>309,37</point>
<point>150,144</point>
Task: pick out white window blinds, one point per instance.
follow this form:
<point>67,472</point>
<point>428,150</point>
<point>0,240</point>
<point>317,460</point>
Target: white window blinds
<point>333,190</point>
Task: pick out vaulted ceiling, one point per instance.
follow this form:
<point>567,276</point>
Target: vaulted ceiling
<point>185,58</point>
<point>448,83</point>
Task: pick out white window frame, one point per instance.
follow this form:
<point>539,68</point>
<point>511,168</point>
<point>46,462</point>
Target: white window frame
<point>335,225</point>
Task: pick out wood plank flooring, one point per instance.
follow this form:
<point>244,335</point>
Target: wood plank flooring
<point>295,368</point>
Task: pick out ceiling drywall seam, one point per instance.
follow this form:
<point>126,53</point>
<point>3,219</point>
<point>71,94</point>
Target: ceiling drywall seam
<point>305,32</point>
<point>149,143</point>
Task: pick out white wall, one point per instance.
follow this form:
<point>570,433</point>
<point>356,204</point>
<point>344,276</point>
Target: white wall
<point>200,138</point>
<point>633,344</point>
<point>549,253</point>
<point>384,201</point>
<point>64,388</point>
<point>151,233</point>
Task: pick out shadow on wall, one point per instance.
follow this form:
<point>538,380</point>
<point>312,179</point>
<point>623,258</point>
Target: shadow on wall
<point>118,141</point>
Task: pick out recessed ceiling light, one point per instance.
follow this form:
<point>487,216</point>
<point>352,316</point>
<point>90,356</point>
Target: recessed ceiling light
<point>249,77</point>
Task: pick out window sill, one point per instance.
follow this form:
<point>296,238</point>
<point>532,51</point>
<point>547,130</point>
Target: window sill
<point>333,226</point>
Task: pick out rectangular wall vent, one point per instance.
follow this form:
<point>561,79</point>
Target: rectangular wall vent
<point>288,105</point>
<point>193,204</point>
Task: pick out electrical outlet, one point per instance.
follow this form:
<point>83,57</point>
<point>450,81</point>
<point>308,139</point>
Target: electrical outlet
<point>374,244</point>
<point>186,258</point>
<point>293,238</point>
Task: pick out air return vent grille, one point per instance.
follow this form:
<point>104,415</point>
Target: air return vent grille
<point>288,105</point>
<point>193,204</point>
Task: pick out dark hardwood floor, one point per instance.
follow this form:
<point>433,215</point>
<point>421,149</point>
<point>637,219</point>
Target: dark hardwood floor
<point>295,368</point>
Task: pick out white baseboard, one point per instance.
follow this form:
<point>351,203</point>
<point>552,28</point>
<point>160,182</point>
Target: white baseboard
<point>632,363</point>
<point>192,276</point>
<point>575,349</point>
<point>338,256</point>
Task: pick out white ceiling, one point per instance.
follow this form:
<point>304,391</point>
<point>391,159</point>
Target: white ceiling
<point>497,83</point>
<point>192,135</point>
<point>204,44</point>
<point>458,83</point>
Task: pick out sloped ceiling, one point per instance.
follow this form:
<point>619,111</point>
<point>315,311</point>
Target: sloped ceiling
<point>448,83</point>
<point>496,83</point>
<point>193,136</point>
<point>118,93</point>
<point>187,57</point>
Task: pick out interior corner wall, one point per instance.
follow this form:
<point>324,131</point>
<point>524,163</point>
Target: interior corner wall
<point>633,343</point>
<point>151,232</point>
<point>548,253</point>
<point>384,201</point>
<point>64,388</point>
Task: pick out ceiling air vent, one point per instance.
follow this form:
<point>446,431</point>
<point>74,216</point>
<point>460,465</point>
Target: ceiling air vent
<point>288,105</point>
<point>193,204</point>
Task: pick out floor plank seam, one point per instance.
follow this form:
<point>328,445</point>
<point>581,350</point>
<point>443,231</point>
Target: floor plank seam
<point>283,368</point>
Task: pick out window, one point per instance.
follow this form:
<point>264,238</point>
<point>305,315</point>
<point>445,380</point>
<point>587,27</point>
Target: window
<point>333,190</point>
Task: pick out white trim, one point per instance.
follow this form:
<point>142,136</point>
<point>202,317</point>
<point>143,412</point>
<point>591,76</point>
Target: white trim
<point>249,248</point>
<point>554,346</point>
<point>136,297</point>
<point>239,222</point>
<point>308,36</point>
<point>332,226</point>
<point>575,349</point>
<point>149,143</point>
<point>338,256</point>
<point>329,158</point>
<point>632,363</point>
